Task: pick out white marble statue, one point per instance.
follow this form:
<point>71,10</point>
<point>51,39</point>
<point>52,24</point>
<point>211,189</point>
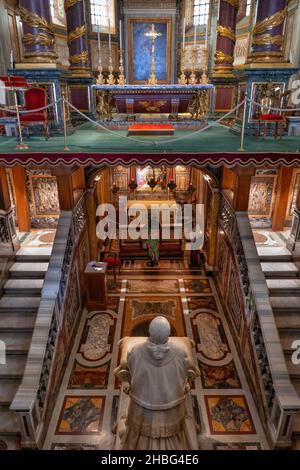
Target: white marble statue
<point>156,372</point>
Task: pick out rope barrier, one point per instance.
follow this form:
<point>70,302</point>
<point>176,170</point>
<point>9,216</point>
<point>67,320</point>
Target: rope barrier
<point>272,109</point>
<point>14,111</point>
<point>155,142</point>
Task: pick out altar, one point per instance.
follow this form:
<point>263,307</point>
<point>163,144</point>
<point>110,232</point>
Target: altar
<point>170,100</point>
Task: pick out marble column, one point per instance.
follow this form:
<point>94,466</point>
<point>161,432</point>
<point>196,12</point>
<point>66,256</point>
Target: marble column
<point>224,56</point>
<point>77,36</point>
<point>267,40</point>
<point>38,39</point>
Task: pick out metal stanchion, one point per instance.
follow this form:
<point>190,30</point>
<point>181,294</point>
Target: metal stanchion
<point>242,149</point>
<point>66,148</point>
<point>21,145</point>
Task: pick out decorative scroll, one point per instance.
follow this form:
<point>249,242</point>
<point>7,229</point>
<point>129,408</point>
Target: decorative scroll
<point>266,39</point>
<point>221,58</point>
<point>34,20</point>
<point>76,33</point>
<point>200,105</point>
<point>83,57</point>
<point>41,38</point>
<point>270,22</point>
<point>70,3</point>
<point>104,106</point>
<point>226,32</point>
<point>234,3</point>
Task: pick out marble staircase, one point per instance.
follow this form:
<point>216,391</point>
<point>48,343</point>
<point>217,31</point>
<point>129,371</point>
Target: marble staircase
<point>18,308</point>
<point>283,281</point>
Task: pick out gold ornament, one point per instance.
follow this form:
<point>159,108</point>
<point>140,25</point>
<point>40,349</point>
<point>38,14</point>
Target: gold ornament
<point>34,20</point>
<point>234,3</point>
<point>152,106</point>
<point>270,22</point>
<point>70,3</point>
<point>200,105</point>
<point>268,39</point>
<point>76,33</point>
<point>221,58</point>
<point>41,38</point>
<point>226,32</point>
<point>83,57</point>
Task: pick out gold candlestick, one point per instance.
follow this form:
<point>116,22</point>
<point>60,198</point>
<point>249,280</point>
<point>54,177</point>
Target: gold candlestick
<point>204,77</point>
<point>193,79</point>
<point>182,79</point>
<point>111,78</point>
<point>122,78</point>
<point>100,78</point>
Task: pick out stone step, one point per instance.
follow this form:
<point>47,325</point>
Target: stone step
<point>8,390</point>
<point>287,321</point>
<point>14,367</point>
<point>19,304</point>
<point>284,287</point>
<point>11,322</point>
<point>9,424</point>
<point>16,342</point>
<point>23,287</point>
<point>28,270</point>
<point>279,270</point>
<point>27,255</point>
<point>285,304</point>
<point>276,254</point>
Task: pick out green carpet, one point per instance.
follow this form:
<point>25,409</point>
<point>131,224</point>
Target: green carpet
<point>87,139</point>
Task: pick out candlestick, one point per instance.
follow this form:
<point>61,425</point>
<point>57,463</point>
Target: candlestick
<point>120,32</point>
<point>122,78</point>
<point>182,79</point>
<point>111,78</point>
<point>193,79</point>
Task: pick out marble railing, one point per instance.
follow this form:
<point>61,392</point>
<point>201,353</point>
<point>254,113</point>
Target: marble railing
<point>36,394</point>
<point>277,396</point>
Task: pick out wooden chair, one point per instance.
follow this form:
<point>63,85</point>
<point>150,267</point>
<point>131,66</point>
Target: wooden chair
<point>272,117</point>
<point>35,98</point>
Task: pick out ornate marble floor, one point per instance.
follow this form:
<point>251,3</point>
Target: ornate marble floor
<point>86,409</point>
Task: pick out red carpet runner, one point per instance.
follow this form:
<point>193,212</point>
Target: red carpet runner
<point>151,129</point>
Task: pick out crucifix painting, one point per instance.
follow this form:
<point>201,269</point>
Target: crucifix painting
<point>141,49</point>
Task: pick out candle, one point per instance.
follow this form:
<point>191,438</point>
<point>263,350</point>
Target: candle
<point>109,36</point>
<point>120,32</point>
<point>11,58</point>
<point>195,34</point>
<point>206,34</point>
<point>183,42</point>
<point>98,28</point>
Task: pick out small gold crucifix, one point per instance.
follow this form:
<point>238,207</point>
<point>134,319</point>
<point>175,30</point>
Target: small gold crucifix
<point>153,35</point>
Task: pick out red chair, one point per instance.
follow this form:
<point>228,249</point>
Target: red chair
<point>35,98</point>
<point>113,261</point>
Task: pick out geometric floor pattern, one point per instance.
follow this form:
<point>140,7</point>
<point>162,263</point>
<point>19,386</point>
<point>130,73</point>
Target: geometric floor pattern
<point>86,409</point>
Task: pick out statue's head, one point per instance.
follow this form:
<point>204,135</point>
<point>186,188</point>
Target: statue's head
<point>159,331</point>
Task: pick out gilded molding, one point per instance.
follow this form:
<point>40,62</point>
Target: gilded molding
<point>221,58</point>
<point>226,32</point>
<point>69,3</point>
<point>234,3</point>
<point>34,20</point>
<point>270,22</point>
<point>41,38</point>
<point>266,39</point>
<point>83,57</point>
<point>76,33</point>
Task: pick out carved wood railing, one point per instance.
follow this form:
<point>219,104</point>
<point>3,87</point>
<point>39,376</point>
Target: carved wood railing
<point>278,396</point>
<point>35,396</point>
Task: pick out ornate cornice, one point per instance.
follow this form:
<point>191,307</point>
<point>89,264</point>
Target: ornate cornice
<point>270,22</point>
<point>83,57</point>
<point>266,39</point>
<point>69,3</point>
<point>234,3</point>
<point>76,33</point>
<point>221,58</point>
<point>226,32</point>
<point>41,38</point>
<point>34,20</point>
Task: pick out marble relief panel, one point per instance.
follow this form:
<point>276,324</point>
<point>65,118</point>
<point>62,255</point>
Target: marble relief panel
<point>261,198</point>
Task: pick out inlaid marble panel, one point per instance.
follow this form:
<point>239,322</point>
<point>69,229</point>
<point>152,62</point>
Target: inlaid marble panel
<point>89,378</point>
<point>209,336</point>
<point>197,286</point>
<point>151,286</point>
<point>229,415</point>
<point>97,337</point>
<point>219,377</point>
<point>81,415</point>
